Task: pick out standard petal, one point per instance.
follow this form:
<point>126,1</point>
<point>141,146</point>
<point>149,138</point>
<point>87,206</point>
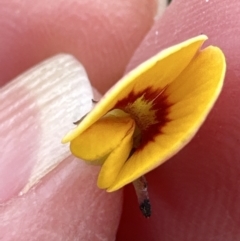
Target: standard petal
<point>157,73</point>
<point>115,161</point>
<point>192,95</point>
<point>101,138</point>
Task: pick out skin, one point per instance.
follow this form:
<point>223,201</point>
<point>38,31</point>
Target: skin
<point>195,195</point>
<point>66,204</point>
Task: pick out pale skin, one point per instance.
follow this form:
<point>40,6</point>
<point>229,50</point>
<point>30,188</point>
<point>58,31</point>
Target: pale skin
<point>194,195</point>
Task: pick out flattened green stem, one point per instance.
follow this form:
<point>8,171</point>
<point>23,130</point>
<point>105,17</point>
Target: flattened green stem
<point>141,189</point>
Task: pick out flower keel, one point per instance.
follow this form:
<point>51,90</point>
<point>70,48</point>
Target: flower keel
<point>115,161</point>
<point>108,131</point>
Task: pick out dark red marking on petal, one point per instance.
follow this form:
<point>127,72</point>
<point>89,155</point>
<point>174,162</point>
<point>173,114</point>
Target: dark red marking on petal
<point>160,106</point>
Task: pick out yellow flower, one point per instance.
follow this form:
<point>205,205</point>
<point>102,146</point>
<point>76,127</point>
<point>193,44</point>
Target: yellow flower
<point>151,113</point>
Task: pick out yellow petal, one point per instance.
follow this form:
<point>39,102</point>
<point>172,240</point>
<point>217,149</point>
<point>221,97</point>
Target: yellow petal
<point>115,161</point>
<point>192,95</point>
<point>101,138</point>
<point>157,72</point>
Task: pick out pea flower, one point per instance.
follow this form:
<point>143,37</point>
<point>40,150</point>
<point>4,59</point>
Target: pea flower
<point>149,115</point>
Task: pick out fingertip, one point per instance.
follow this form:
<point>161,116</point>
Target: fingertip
<point>65,205</point>
<point>196,185</point>
<point>100,37</point>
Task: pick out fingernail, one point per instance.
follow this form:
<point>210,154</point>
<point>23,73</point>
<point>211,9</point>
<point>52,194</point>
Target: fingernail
<point>162,5</point>
<point>36,110</point>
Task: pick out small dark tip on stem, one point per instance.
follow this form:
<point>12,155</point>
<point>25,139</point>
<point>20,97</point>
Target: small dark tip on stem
<point>94,101</point>
<point>141,188</point>
<point>145,208</point>
<point>79,121</point>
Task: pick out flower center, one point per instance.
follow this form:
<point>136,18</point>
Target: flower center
<point>149,109</point>
<point>141,110</point>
